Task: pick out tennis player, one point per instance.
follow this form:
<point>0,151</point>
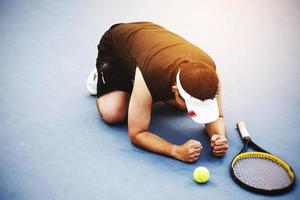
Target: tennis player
<point>142,63</point>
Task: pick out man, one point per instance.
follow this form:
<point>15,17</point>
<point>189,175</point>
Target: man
<point>142,63</point>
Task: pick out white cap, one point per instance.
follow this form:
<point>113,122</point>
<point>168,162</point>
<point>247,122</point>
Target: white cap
<point>200,111</point>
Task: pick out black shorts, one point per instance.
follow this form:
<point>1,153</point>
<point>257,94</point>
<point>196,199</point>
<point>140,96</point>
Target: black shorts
<point>112,75</point>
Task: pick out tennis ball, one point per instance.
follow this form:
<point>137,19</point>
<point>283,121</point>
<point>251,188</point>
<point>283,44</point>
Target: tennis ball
<point>201,174</point>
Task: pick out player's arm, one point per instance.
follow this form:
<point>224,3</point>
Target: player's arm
<point>217,130</point>
<point>173,103</point>
<point>139,115</point>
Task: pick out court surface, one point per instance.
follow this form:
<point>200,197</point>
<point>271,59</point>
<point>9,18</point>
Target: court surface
<point>53,144</point>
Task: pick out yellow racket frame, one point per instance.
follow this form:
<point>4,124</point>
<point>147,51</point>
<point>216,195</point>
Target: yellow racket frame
<point>258,154</point>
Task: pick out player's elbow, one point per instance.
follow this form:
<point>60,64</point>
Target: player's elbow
<point>133,136</point>
<point>133,139</point>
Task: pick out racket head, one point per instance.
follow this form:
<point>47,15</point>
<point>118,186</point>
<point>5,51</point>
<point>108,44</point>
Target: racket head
<point>262,172</point>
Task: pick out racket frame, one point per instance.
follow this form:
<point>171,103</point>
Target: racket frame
<point>249,143</point>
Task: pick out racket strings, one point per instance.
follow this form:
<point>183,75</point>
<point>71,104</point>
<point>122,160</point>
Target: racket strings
<point>261,173</point>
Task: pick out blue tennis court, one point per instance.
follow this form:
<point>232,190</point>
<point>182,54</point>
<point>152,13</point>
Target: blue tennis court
<point>54,145</point>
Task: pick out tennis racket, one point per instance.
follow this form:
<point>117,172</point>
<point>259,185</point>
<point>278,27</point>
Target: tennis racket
<point>259,170</point>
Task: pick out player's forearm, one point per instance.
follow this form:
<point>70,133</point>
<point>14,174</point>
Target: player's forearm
<point>217,127</point>
<point>154,143</point>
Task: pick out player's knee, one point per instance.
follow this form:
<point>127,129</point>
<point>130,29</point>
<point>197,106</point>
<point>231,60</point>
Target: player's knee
<point>113,118</point>
<point>114,115</point>
<point>113,107</point>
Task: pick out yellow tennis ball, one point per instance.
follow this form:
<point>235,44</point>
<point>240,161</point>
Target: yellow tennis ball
<point>201,174</point>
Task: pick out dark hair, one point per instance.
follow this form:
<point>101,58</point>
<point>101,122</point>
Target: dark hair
<point>199,80</point>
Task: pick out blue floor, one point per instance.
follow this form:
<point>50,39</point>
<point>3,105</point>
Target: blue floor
<point>53,144</point>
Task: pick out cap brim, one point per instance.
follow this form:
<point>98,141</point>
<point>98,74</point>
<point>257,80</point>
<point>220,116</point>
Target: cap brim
<point>203,112</point>
<point>200,111</point>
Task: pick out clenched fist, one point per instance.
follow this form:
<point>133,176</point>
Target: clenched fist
<point>189,151</point>
<point>218,144</point>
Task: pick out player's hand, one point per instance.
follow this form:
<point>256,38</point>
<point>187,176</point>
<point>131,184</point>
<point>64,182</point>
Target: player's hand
<point>189,151</point>
<point>218,144</point>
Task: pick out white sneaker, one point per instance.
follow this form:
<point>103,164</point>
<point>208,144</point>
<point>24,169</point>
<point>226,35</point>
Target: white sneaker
<point>91,83</point>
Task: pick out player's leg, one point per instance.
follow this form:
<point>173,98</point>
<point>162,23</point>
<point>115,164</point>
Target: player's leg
<point>113,106</point>
<point>114,84</point>
<point>113,92</point>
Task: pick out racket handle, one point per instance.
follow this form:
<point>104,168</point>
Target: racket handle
<point>242,129</point>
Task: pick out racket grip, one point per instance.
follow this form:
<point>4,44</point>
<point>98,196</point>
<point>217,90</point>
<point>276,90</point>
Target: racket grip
<point>243,130</point>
